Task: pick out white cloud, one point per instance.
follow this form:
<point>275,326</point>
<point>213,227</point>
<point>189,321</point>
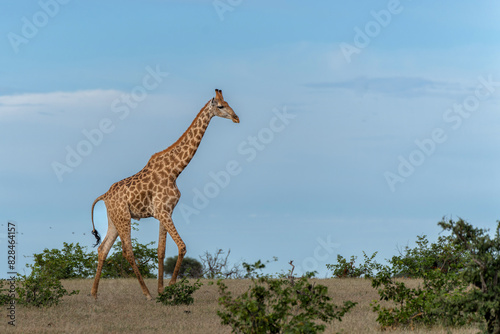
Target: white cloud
<point>36,106</point>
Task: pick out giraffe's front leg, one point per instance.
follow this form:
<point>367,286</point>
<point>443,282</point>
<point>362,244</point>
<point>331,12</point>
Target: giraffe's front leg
<point>166,221</point>
<point>161,256</point>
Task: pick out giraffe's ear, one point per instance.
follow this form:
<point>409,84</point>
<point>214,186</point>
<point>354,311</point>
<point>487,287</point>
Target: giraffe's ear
<point>213,101</point>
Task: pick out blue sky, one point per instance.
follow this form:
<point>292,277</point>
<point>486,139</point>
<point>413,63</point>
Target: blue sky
<point>362,124</point>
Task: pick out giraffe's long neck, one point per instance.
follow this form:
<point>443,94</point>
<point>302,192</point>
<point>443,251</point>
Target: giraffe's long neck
<point>182,151</point>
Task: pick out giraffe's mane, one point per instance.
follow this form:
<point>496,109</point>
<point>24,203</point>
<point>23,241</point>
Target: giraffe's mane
<point>181,137</point>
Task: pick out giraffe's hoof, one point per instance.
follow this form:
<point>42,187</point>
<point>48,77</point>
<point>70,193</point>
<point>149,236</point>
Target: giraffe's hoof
<point>149,298</point>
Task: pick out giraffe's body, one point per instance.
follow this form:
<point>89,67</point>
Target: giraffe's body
<point>153,192</point>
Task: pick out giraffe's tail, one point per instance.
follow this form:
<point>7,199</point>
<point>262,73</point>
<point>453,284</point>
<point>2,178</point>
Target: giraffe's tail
<point>94,231</point>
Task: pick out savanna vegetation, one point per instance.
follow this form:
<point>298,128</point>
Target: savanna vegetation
<point>450,285</point>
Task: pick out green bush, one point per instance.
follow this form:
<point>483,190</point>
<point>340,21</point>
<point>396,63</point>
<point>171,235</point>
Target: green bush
<point>116,265</point>
<point>460,283</point>
<point>40,288</point>
<point>443,255</point>
<point>71,262</point>
<point>438,300</point>
<point>279,306</point>
<point>344,268</point>
<point>482,270</point>
<point>179,293</point>
<point>189,268</point>
<point>254,270</point>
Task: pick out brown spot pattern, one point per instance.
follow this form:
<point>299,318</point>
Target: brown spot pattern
<point>153,192</point>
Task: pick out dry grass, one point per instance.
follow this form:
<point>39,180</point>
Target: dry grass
<point>121,308</point>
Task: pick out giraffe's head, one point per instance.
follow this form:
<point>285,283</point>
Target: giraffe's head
<point>220,108</point>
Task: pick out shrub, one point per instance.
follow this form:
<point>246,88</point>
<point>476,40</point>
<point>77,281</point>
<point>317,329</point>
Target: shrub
<point>437,300</point>
<point>40,288</point>
<point>116,265</point>
<point>279,306</point>
<point>179,293</point>
<point>190,267</point>
<point>253,269</point>
<point>343,268</point>
<point>443,255</point>
<point>481,270</point>
<point>71,262</point>
<point>448,268</point>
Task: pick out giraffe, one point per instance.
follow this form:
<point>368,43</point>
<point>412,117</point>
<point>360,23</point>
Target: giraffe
<point>153,192</point>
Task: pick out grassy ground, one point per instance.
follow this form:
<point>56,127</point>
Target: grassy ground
<point>121,308</point>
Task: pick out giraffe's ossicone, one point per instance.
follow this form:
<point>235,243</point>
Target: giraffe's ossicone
<point>153,192</point>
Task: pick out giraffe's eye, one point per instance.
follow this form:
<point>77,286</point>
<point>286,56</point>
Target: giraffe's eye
<point>220,107</point>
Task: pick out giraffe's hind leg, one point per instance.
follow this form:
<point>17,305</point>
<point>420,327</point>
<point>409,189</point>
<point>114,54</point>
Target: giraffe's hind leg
<point>161,256</point>
<point>102,252</point>
<point>124,232</point>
